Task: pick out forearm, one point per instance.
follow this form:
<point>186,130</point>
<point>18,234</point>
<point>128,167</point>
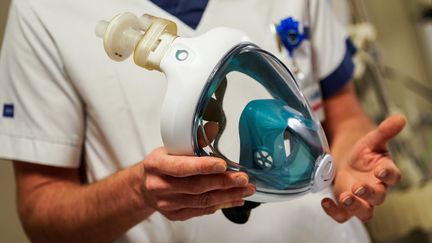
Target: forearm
<point>345,123</point>
<point>64,211</point>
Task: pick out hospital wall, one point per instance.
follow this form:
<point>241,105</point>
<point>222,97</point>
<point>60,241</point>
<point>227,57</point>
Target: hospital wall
<point>399,49</point>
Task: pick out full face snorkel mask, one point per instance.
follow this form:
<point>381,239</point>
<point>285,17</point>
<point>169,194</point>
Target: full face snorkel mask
<point>228,98</point>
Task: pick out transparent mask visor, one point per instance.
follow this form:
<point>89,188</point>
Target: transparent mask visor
<point>252,114</point>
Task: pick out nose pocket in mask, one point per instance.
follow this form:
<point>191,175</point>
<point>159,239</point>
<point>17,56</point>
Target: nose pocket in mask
<point>272,148</point>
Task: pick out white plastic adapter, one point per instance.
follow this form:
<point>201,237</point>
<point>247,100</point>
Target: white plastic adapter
<point>148,37</point>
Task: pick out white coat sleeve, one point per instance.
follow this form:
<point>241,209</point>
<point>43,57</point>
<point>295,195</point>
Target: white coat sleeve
<point>332,50</point>
<point>41,114</point>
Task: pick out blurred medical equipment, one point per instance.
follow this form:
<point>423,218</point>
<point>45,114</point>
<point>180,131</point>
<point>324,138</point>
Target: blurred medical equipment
<point>406,215</point>
<point>376,77</point>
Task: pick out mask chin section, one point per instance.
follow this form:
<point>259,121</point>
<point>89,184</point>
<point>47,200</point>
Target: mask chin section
<point>241,214</point>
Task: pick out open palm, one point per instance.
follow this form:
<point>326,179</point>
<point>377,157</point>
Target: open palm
<point>361,182</point>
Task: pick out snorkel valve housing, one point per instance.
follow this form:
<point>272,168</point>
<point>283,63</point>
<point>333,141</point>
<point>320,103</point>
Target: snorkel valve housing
<point>147,37</point>
<point>228,98</point>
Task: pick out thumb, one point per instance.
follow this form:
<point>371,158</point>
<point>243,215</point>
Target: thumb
<point>386,130</point>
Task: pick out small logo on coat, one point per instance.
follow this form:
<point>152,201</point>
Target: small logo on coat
<point>8,110</point>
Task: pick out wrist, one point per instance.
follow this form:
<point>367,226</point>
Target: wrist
<point>137,177</point>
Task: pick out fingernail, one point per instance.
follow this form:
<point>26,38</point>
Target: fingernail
<point>360,191</point>
<point>382,173</point>
<point>248,192</point>
<point>326,204</point>
<point>241,180</point>
<point>226,205</point>
<point>347,201</point>
<point>219,167</point>
<point>238,203</point>
<point>232,204</point>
